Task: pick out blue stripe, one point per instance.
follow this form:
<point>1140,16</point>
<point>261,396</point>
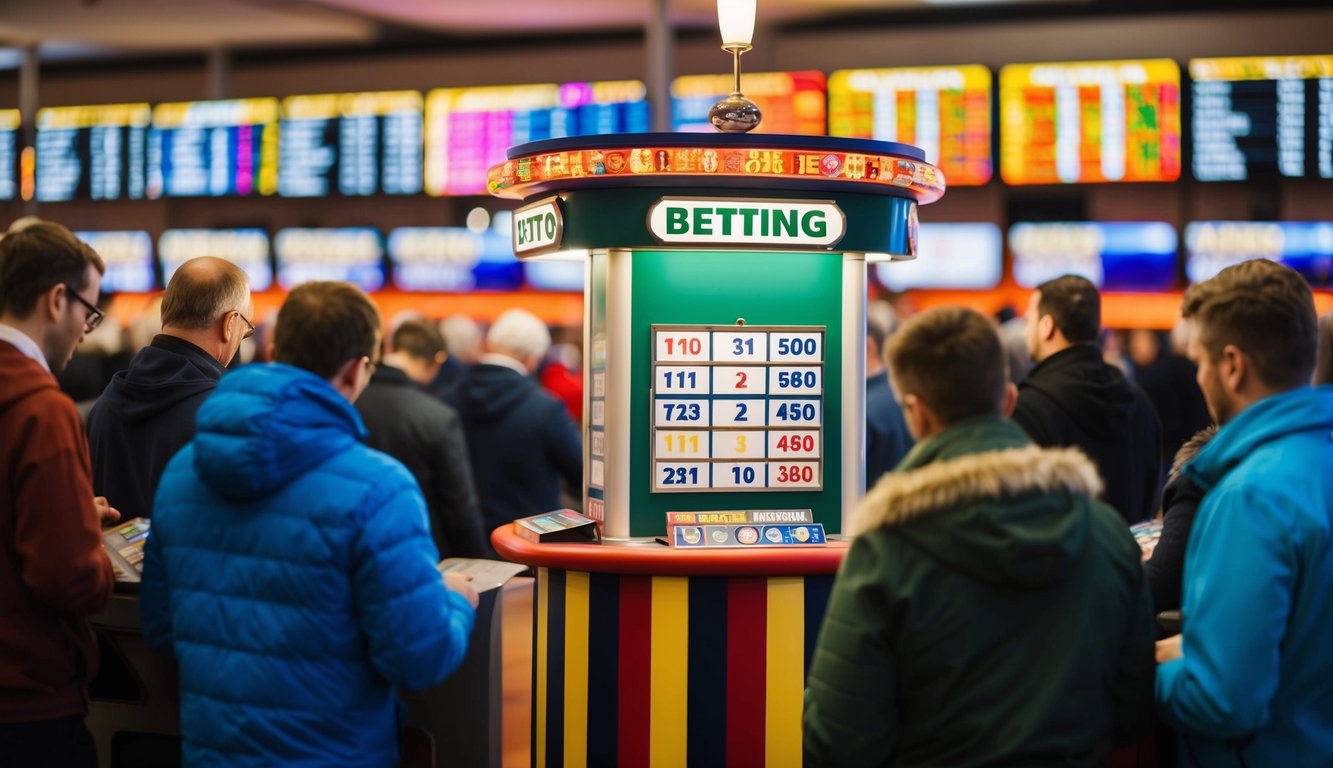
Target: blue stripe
<point>707,719</point>
<point>817,591</point>
<point>603,668</point>
<point>555,670</point>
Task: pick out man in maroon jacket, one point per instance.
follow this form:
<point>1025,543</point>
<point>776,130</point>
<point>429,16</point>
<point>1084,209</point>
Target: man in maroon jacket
<point>53,571</point>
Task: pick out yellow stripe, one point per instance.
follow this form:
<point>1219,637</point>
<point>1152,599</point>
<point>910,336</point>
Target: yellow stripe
<point>576,669</point>
<point>785,673</point>
<point>543,614</point>
<point>669,671</point>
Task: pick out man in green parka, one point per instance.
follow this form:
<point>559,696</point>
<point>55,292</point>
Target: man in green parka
<point>991,611</point>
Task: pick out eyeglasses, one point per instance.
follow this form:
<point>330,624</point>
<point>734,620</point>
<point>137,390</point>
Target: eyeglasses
<point>370,367</point>
<point>249,326</point>
<point>94,316</point>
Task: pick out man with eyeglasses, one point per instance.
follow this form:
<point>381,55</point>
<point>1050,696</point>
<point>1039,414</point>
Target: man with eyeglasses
<point>146,414</point>
<point>53,570</point>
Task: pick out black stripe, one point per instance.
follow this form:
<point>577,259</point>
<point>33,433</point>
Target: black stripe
<point>817,591</point>
<point>555,670</point>
<point>603,668</point>
<point>706,721</point>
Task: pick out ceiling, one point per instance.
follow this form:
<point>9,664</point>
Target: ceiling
<point>66,30</point>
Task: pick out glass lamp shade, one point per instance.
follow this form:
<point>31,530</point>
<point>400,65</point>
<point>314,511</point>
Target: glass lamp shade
<point>736,20</point>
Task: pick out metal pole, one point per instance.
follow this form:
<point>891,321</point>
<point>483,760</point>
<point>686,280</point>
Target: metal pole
<point>657,52</point>
<point>29,73</point>
<point>218,72</point>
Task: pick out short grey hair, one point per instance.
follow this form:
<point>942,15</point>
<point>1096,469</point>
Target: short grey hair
<point>519,334</point>
<point>202,290</point>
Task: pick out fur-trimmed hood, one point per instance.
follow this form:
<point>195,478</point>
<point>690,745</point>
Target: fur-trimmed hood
<point>982,500</point>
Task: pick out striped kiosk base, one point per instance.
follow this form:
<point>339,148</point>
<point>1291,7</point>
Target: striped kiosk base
<point>647,670</point>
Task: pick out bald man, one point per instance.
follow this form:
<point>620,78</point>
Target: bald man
<point>146,414</point>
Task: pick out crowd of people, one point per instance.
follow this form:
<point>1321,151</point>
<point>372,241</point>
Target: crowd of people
<point>993,608</point>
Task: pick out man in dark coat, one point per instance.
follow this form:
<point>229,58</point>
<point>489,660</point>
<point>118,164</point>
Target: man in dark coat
<point>521,440</point>
<point>887,438</point>
<point>426,435</point>
<point>1074,398</point>
<point>990,610</point>
<point>147,412</point>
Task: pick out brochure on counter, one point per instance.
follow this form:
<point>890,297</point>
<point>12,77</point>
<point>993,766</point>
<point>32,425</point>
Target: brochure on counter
<point>563,526</point>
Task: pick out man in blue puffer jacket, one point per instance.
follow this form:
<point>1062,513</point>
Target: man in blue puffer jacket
<point>1250,681</point>
<point>290,569</point>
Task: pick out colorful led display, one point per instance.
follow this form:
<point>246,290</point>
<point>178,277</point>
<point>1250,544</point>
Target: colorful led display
<point>1115,256</point>
<point>350,143</point>
<point>949,256</point>
<point>1094,121</point>
<point>1262,117</point>
<point>9,153</point>
<point>792,102</point>
<point>1305,246</point>
<point>128,256</point>
<point>213,148</point>
<point>945,111</point>
<point>247,248</point>
<point>468,130</point>
<point>95,152</point>
<point>351,254</point>
<point>453,259</point>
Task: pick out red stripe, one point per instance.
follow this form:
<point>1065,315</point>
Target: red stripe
<point>636,621</point>
<point>747,625</point>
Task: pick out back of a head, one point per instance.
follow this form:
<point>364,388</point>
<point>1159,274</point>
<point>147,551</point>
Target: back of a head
<point>202,290</point>
<point>1264,309</point>
<point>462,337</point>
<point>952,360</point>
<point>322,325</point>
<point>1075,305</point>
<point>519,334</point>
<point>419,339</point>
<point>38,256</point>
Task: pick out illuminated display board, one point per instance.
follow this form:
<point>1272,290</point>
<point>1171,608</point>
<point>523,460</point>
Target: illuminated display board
<point>468,130</point>
<point>9,153</point>
<point>91,152</point>
<point>213,148</point>
<point>247,248</point>
<point>1115,256</point>
<point>453,259</point>
<point>1305,246</point>
<point>949,256</point>
<point>792,102</point>
<point>129,259</point>
<point>554,275</point>
<point>353,254</point>
<point>945,111</point>
<point>350,143</point>
<point>1090,121</point>
<point>1262,117</point>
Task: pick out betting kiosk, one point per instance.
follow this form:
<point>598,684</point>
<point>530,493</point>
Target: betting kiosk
<point>725,292</point>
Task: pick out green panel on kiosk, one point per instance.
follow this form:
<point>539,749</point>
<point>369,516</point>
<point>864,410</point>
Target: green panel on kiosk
<point>698,287</point>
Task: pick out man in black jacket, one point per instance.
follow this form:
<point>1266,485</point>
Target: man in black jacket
<point>146,414</point>
<point>1074,398</point>
<point>407,423</point>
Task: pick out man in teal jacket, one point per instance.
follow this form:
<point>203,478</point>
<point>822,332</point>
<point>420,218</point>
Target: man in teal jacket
<point>290,569</point>
<point>1250,680</point>
<point>990,611</point>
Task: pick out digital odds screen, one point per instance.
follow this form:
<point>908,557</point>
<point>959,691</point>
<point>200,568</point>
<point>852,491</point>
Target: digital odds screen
<point>213,148</point>
<point>95,152</point>
<point>945,111</point>
<point>1114,256</point>
<point>351,254</point>
<point>453,259</point>
<point>792,102</point>
<point>245,247</point>
<point>954,256</point>
<point>128,255</point>
<point>1086,122</point>
<point>9,154</point>
<point>468,130</point>
<point>1262,117</point>
<point>1305,246</point>
<point>350,144</point>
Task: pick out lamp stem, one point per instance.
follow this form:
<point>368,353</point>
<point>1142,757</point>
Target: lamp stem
<point>736,68</point>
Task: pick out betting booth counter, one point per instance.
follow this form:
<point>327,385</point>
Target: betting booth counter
<point>725,301</point>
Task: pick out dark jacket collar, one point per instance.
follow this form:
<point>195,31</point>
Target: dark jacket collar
<point>198,356</point>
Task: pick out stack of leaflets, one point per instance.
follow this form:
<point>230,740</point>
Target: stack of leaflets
<point>124,544</point>
<point>743,528</point>
<point>565,525</point>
